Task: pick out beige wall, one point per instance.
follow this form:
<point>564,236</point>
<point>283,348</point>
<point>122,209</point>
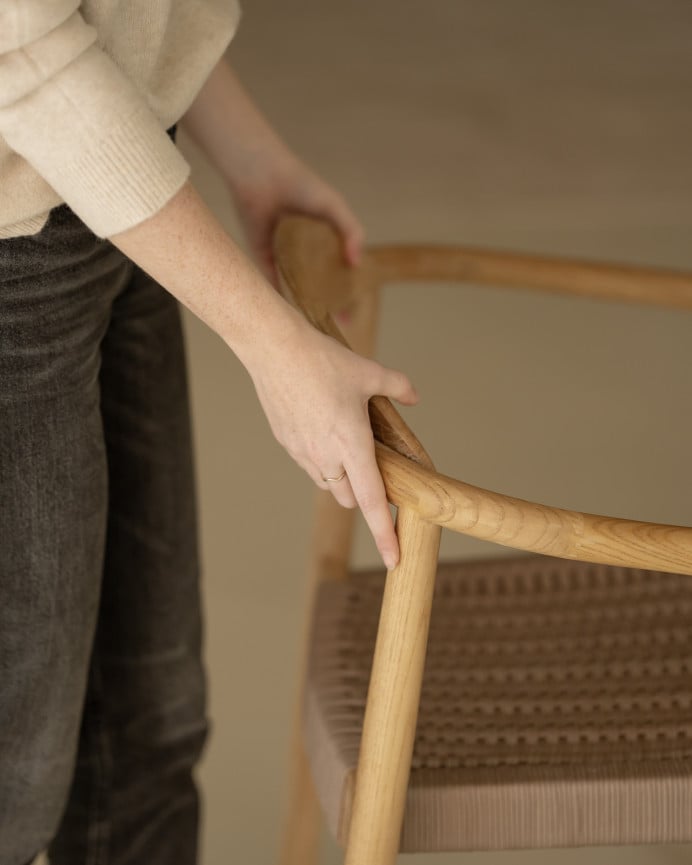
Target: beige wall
<point>551,126</point>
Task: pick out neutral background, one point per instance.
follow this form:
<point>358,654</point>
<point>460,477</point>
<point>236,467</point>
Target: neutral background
<point>548,126</point>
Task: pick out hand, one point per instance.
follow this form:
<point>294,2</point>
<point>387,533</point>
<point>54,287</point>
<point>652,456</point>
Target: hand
<point>278,184</point>
<point>315,395</point>
<point>265,178</point>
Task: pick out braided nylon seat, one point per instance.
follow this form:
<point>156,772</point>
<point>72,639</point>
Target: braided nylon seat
<point>547,683</point>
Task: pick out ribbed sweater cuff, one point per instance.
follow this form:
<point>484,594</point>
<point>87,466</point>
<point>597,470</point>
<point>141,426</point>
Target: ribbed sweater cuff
<point>120,180</point>
<point>92,136</point>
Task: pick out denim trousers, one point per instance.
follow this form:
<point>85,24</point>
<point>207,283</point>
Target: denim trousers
<point>102,688</point>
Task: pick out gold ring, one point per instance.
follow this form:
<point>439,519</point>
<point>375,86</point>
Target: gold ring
<point>334,480</point>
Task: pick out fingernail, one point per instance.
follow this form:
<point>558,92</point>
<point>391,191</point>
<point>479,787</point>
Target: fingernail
<point>343,317</point>
<point>354,255</point>
<point>390,561</point>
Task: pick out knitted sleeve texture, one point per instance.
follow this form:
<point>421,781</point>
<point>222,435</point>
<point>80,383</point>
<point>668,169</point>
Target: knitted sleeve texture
<point>70,112</point>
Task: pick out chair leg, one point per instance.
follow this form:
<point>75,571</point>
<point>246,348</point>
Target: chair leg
<point>392,708</point>
<point>301,837</point>
<point>329,554</point>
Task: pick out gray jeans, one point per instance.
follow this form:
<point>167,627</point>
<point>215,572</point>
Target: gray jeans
<point>102,697</point>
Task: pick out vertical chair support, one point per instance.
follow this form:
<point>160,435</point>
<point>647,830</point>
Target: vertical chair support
<point>301,837</point>
<point>329,560</point>
<point>392,708</point>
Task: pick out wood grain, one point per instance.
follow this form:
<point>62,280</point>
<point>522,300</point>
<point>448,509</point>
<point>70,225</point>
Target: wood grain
<point>392,707</point>
<point>648,285</point>
<point>530,526</point>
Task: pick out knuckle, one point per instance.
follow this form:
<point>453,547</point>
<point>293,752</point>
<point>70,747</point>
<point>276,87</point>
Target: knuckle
<point>315,450</point>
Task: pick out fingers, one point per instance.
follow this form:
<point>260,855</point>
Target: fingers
<point>340,214</point>
<point>342,492</point>
<point>353,239</point>
<point>340,489</point>
<point>368,489</point>
<point>362,486</point>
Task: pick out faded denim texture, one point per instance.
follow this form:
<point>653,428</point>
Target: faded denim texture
<point>102,693</point>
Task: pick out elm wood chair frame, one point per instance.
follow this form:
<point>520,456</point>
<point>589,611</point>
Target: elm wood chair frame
<point>375,796</point>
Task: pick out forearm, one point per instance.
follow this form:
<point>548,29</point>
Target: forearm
<point>185,248</point>
<point>233,133</point>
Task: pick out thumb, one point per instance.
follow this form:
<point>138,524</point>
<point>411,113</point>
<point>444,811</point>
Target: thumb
<point>397,386</point>
<point>348,226</point>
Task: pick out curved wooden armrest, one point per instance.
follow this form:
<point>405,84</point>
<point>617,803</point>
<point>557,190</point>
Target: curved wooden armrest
<point>310,261</point>
<point>656,286</point>
<point>530,526</point>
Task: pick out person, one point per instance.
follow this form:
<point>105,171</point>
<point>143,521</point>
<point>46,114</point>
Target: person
<point>102,687</point>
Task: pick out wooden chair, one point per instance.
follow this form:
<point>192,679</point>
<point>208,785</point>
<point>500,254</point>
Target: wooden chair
<point>555,704</point>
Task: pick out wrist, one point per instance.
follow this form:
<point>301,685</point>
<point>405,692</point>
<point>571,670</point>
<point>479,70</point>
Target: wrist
<point>259,171</point>
<point>281,334</point>
<point>234,134</point>
<point>187,251</point>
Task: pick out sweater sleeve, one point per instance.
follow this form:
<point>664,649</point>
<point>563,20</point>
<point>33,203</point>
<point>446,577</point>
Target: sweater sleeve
<point>67,109</point>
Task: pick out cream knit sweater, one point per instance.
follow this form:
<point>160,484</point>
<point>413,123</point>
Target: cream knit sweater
<point>87,91</point>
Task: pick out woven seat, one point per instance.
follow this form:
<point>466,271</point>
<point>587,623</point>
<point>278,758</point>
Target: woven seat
<point>540,673</point>
<point>529,701</point>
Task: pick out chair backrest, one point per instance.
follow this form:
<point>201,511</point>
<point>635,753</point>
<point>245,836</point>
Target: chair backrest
<point>312,266</point>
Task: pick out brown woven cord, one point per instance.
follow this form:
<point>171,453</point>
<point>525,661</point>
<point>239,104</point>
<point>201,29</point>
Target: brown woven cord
<point>556,705</point>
